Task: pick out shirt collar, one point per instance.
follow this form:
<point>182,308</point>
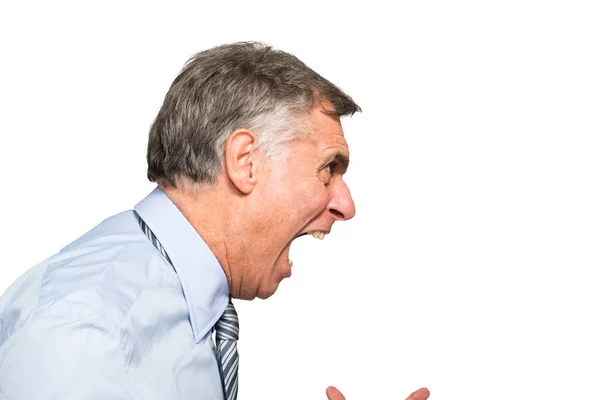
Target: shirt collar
<point>202,279</point>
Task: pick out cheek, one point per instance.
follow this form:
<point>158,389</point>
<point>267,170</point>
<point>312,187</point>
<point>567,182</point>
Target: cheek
<point>316,199</point>
<point>305,199</point>
<point>323,198</point>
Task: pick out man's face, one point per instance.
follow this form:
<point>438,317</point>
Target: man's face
<point>303,194</point>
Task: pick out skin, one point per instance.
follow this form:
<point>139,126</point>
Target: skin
<point>258,206</point>
<point>334,394</point>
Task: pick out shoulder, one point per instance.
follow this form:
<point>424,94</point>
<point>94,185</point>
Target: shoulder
<point>100,275</point>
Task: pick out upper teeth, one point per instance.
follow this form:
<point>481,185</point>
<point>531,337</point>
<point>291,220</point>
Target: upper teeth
<point>317,234</point>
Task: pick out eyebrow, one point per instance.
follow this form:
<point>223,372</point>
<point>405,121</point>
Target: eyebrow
<point>342,161</point>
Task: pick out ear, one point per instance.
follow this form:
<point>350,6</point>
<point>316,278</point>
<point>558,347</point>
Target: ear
<point>240,161</point>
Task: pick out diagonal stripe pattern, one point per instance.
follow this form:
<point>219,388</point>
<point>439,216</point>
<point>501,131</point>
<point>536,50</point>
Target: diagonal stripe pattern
<point>152,237</point>
<point>227,331</point>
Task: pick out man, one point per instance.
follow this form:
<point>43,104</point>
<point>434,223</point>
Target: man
<point>248,154</point>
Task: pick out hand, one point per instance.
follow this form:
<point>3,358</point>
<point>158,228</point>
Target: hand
<point>334,394</point>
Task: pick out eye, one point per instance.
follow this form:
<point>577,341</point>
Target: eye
<point>329,167</point>
<point>328,172</point>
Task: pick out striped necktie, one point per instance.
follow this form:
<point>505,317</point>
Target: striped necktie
<point>227,334</point>
<point>227,331</point>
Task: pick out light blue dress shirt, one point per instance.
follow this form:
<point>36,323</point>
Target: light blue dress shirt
<point>108,317</point>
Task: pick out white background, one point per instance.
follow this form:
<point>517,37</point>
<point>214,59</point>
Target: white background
<point>470,267</point>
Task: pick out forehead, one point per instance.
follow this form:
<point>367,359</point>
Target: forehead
<point>325,131</point>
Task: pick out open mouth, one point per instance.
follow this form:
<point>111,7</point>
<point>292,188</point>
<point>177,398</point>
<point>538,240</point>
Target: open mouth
<point>317,234</point>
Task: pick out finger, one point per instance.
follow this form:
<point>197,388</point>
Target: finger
<point>421,394</point>
<point>334,394</point>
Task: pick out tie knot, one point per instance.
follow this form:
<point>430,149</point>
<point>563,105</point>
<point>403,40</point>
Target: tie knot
<point>228,326</point>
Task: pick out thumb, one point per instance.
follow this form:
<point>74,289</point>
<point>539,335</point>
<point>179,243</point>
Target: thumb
<point>334,394</point>
<point>421,394</point>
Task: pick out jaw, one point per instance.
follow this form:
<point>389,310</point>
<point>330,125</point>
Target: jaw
<point>262,280</point>
<point>273,271</point>
<point>280,270</point>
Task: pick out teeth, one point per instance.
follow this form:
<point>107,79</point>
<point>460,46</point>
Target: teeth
<point>318,234</point>
<point>291,262</point>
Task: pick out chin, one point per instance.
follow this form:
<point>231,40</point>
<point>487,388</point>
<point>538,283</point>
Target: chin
<point>265,293</point>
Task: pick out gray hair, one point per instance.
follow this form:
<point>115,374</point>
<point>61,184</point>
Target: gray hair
<point>241,85</point>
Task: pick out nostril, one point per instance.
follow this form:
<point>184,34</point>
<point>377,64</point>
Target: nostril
<point>336,213</point>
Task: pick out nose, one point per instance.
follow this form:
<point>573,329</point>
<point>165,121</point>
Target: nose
<point>341,205</point>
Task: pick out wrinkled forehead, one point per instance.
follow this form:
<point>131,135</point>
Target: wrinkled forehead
<point>323,127</point>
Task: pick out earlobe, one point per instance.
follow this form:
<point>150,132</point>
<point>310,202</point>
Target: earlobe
<point>240,164</point>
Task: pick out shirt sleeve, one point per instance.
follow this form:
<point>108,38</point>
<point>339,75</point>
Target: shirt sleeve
<point>64,358</point>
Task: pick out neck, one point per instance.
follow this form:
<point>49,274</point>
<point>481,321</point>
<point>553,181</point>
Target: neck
<point>210,212</point>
